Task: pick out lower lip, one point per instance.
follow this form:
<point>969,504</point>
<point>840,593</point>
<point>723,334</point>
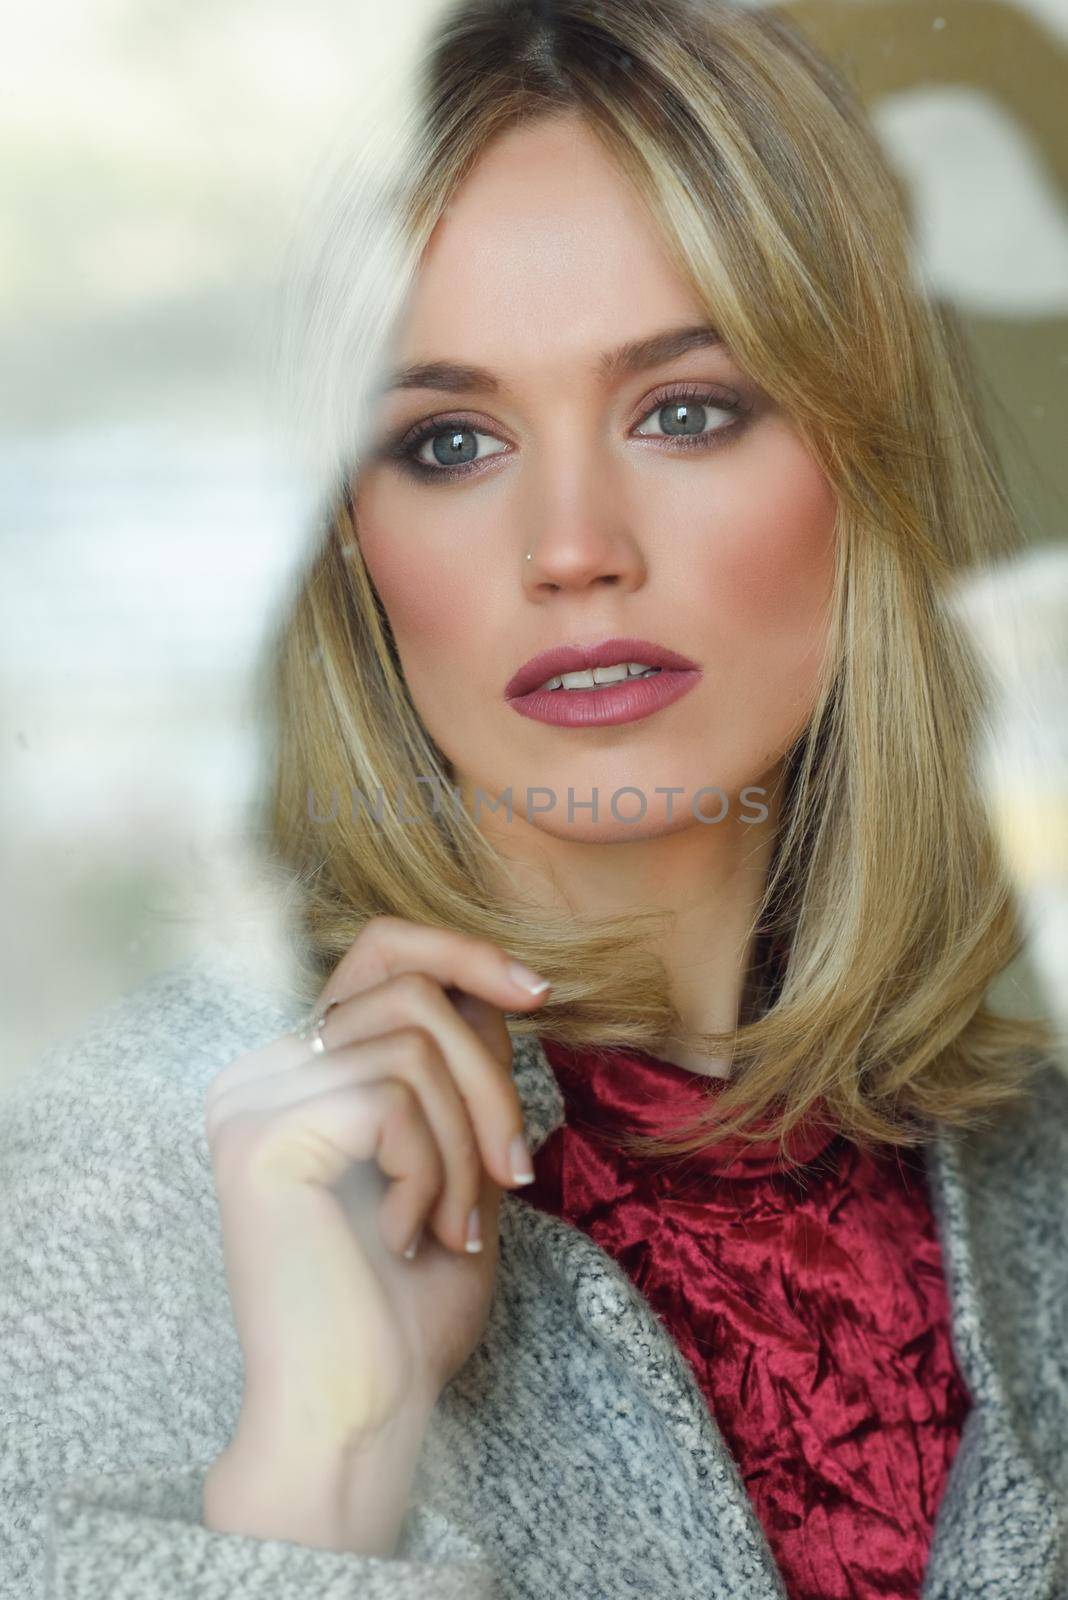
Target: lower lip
<point>626,701</point>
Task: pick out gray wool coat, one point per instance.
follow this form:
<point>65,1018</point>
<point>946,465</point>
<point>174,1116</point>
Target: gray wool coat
<point>573,1454</point>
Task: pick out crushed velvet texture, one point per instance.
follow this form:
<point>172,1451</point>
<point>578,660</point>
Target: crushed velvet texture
<point>810,1304</point>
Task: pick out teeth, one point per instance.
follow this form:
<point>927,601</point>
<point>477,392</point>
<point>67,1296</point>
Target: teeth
<point>590,678</point>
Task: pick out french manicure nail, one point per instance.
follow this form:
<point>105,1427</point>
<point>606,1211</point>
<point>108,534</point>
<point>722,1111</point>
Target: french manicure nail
<point>527,978</point>
<point>519,1160</point>
<point>474,1231</point>
<point>409,1254</point>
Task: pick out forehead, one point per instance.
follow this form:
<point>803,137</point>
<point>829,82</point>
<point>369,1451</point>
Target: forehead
<point>545,245</point>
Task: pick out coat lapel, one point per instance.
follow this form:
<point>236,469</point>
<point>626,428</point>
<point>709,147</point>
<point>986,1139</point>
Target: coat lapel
<point>1000,1530</point>
<point>647,1356</point>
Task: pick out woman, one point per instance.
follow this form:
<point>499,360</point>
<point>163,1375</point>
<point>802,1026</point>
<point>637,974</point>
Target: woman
<point>638,574</point>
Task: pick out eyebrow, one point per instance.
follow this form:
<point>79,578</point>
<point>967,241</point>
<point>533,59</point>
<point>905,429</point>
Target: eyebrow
<point>634,356</point>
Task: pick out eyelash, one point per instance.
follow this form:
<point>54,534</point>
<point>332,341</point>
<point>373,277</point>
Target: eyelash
<point>405,449</point>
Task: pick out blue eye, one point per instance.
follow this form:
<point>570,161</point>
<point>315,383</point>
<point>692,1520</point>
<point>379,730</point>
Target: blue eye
<point>682,417</point>
<point>687,416</point>
<point>454,448</point>
<point>454,445</point>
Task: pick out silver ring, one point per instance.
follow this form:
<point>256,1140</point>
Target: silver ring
<point>313,1029</point>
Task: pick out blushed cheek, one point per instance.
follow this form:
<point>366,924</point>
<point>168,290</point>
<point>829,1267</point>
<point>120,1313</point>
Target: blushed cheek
<point>424,603</point>
<point>420,594</point>
<point>437,607</point>
<point>776,567</point>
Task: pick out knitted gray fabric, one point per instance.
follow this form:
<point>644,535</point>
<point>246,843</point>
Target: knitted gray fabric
<point>573,1455</point>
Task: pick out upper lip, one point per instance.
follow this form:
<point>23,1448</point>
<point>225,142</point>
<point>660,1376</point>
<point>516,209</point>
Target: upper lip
<point>578,658</point>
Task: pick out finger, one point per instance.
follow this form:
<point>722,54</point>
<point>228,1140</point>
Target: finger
<point>317,1142</point>
<point>387,946</point>
<point>403,1213</point>
<point>281,1055</point>
<point>478,1057</point>
<point>415,1058</point>
<point>483,1075</point>
<point>486,1021</point>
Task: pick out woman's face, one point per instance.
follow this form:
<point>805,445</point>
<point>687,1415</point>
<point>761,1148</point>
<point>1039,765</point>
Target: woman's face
<point>708,531</point>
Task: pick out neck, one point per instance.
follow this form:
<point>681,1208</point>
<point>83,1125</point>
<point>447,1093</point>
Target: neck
<point>709,877</point>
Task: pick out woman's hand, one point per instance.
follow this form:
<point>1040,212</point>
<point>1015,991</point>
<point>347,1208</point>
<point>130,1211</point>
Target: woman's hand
<point>327,1166</point>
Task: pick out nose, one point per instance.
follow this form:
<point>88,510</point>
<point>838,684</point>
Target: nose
<point>578,547</point>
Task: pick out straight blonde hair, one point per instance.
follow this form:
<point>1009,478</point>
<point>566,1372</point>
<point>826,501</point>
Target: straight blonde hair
<point>886,882</point>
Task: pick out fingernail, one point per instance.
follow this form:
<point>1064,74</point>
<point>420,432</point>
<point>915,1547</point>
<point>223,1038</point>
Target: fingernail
<point>474,1232</point>
<point>409,1254</point>
<point>527,979</point>
<point>519,1160</point>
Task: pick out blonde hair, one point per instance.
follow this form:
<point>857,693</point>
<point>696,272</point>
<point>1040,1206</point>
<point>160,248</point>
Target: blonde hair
<point>778,208</point>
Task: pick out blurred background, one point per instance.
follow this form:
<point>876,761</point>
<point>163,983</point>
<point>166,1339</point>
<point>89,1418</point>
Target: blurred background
<point>155,159</point>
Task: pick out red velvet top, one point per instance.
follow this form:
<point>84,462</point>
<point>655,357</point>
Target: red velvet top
<point>810,1305</point>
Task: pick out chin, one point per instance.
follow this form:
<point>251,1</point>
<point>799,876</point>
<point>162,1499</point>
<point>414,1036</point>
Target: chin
<point>609,829</point>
